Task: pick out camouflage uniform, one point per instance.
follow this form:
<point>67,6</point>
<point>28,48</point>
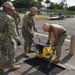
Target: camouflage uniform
<point>28,25</point>
<point>16,17</point>
<point>59,44</point>
<point>7,35</point>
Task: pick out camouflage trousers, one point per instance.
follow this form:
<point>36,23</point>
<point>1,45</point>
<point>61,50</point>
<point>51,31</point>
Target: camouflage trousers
<point>60,41</point>
<point>27,43</point>
<point>17,29</point>
<point>7,53</point>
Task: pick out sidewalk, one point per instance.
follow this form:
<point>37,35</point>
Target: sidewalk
<point>67,62</point>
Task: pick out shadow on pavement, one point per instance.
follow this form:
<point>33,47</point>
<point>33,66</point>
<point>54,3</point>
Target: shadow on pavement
<point>68,57</point>
<point>44,66</point>
<point>4,73</point>
<point>25,73</point>
<point>19,57</point>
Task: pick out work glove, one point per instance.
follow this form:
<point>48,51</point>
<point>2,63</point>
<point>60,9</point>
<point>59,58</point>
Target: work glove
<point>35,29</point>
<point>18,42</point>
<point>48,42</point>
<point>53,48</point>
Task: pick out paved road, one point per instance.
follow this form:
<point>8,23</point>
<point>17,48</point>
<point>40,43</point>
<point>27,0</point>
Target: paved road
<point>36,66</point>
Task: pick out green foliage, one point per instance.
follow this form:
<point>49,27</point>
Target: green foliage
<point>2,1</point>
<point>55,6</point>
<point>40,1</point>
<point>72,8</point>
<point>26,3</point>
<point>47,1</point>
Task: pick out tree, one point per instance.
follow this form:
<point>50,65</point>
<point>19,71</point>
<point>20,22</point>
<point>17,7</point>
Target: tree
<point>72,8</point>
<point>47,2</point>
<point>2,1</point>
<point>26,4</point>
<point>63,4</point>
<point>55,6</point>
<point>39,3</point>
<point>52,6</point>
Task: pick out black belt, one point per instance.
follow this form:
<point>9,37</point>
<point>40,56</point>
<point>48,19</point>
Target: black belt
<point>64,32</point>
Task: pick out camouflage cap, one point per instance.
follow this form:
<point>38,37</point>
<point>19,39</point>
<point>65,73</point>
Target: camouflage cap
<point>34,9</point>
<point>8,5</point>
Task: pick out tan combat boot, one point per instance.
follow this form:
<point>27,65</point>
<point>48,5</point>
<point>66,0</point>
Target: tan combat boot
<point>30,50</point>
<point>26,54</point>
<point>56,60</point>
<point>14,67</point>
<point>1,67</point>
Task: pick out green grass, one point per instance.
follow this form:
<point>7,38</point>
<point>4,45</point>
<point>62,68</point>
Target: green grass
<point>41,16</point>
<point>36,16</point>
<point>22,15</point>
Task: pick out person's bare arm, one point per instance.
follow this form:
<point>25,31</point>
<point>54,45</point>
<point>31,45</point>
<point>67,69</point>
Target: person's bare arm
<point>49,36</point>
<point>55,32</point>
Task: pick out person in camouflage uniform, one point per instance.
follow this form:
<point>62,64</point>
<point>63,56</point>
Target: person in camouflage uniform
<point>27,28</point>
<point>59,33</point>
<point>8,36</point>
<point>16,17</point>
